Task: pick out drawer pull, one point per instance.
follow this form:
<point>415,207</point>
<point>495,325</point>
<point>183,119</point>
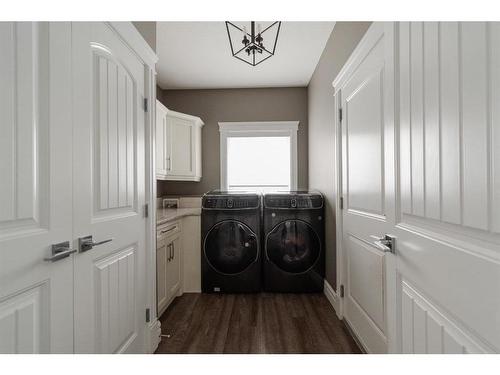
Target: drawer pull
<point>167,230</point>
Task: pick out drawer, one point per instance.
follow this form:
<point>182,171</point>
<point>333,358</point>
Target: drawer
<point>168,229</point>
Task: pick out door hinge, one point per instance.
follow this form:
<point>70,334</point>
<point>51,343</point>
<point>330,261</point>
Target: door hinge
<point>340,114</point>
<point>148,315</point>
<point>145,104</point>
<point>146,210</point>
<point>341,291</point>
<point>341,201</point>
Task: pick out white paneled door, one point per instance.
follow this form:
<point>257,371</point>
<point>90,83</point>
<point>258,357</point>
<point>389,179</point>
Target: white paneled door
<point>366,97</point>
<point>72,166</point>
<point>36,295</point>
<point>448,206</point>
<point>428,176</point>
<point>109,191</point>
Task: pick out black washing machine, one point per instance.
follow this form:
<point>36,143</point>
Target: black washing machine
<point>230,232</point>
<point>293,242</point>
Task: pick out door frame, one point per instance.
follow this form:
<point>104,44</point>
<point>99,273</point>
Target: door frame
<point>153,329</point>
<point>373,33</point>
<point>339,225</point>
<point>131,37</point>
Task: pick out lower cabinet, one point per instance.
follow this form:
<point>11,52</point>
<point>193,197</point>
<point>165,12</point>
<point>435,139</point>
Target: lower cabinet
<point>161,275</point>
<point>168,264</point>
<point>174,266</point>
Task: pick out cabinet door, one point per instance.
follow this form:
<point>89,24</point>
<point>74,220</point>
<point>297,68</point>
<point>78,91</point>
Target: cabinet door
<point>161,140</point>
<point>181,153</point>
<point>161,274</point>
<point>174,267</point>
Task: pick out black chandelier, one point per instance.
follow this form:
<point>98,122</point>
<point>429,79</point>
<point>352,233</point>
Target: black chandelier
<point>250,48</point>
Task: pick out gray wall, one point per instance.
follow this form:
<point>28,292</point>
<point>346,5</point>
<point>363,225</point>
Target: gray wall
<point>148,32</point>
<point>344,38</point>
<point>212,106</point>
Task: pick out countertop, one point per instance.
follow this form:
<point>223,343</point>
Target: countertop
<point>164,215</point>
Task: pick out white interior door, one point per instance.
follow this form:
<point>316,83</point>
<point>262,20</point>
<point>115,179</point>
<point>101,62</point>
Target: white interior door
<point>109,191</point>
<point>36,296</point>
<point>448,217</point>
<point>368,179</point>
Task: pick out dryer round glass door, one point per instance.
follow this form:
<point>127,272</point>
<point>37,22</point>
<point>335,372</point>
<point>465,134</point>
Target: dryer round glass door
<point>231,247</point>
<point>293,246</point>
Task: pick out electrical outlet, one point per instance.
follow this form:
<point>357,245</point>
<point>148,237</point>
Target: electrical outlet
<point>170,203</point>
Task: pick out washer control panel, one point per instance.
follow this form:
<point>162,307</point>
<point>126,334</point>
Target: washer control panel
<point>230,202</point>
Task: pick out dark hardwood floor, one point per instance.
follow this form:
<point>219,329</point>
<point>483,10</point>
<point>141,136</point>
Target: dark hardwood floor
<point>253,323</point>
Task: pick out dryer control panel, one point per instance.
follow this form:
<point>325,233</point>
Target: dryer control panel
<point>293,201</point>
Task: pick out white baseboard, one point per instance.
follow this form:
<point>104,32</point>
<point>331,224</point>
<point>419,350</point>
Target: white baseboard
<point>332,297</point>
<point>153,332</point>
<point>334,300</point>
<point>355,337</point>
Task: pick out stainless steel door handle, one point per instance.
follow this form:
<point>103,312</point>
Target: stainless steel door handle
<point>87,243</point>
<point>173,250</point>
<point>60,251</point>
<point>387,243</point>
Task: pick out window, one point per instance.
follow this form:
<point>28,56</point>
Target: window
<point>258,155</point>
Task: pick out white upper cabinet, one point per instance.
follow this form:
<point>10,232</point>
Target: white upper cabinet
<point>178,145</point>
<point>161,140</point>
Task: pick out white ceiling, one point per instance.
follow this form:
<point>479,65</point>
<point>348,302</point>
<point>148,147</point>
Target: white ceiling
<point>195,55</point>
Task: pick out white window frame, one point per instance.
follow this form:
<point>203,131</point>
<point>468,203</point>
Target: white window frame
<point>259,129</point>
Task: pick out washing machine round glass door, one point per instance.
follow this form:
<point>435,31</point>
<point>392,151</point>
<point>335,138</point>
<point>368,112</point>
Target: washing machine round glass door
<point>293,246</point>
<point>231,247</point>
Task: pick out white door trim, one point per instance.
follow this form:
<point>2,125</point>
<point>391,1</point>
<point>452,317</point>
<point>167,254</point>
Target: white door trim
<point>337,175</point>
<point>332,297</point>
<point>153,328</point>
<point>131,36</point>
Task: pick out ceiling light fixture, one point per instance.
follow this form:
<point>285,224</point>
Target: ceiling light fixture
<point>252,49</point>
